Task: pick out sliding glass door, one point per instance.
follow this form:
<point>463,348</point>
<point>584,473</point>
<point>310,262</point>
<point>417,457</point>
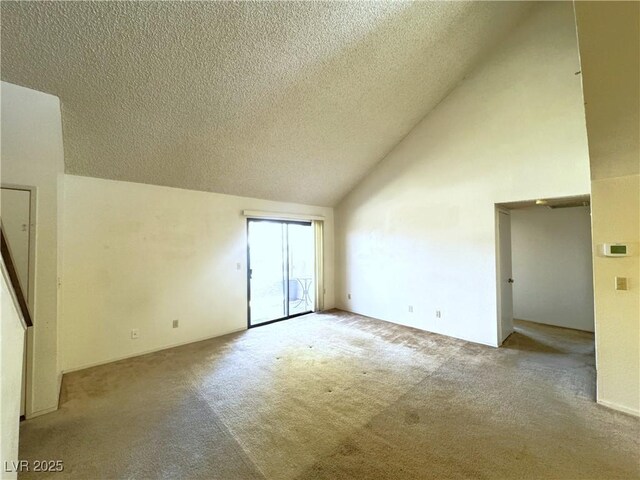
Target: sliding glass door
<point>281,269</point>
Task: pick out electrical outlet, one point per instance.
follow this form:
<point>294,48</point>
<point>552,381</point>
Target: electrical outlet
<point>349,296</point>
<point>238,266</point>
<point>410,308</point>
<point>438,314</point>
<point>134,334</point>
<point>176,323</point>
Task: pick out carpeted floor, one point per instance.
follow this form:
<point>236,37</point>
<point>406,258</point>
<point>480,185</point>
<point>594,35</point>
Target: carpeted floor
<point>339,396</point>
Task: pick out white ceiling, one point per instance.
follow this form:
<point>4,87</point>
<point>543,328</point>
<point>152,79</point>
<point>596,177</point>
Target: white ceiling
<point>283,101</point>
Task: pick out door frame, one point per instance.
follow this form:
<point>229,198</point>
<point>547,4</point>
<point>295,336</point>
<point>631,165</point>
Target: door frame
<point>499,281</point>
<point>525,203</point>
<point>280,221</point>
<point>31,290</point>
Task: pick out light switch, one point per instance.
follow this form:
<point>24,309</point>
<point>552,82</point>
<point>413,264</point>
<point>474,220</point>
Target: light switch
<point>621,283</point>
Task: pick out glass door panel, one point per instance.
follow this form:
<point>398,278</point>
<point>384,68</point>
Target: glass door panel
<point>301,268</point>
<point>267,289</point>
<point>281,270</point>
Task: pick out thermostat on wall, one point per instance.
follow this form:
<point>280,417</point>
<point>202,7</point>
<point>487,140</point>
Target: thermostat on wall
<point>615,250</point>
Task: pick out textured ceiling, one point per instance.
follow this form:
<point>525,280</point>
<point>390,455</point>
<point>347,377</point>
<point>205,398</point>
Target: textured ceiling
<point>284,101</point>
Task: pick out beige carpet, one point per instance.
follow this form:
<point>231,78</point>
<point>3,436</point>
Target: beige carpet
<point>339,396</point>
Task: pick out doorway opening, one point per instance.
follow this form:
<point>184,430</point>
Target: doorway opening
<point>280,269</point>
<point>545,299</point>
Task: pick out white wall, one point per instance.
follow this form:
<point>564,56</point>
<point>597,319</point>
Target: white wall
<point>552,267</point>
<point>420,229</point>
<point>32,155</point>
<point>11,345</point>
<point>140,256</point>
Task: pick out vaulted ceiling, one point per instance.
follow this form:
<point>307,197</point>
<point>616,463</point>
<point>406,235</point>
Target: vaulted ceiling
<point>283,101</point>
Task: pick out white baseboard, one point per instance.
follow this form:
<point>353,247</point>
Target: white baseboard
<point>620,408</point>
<point>145,352</point>
<point>41,412</point>
<point>470,340</point>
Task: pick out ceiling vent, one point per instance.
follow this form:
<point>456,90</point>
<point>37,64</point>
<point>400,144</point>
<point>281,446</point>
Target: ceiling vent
<point>581,203</point>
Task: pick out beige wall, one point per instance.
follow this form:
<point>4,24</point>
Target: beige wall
<point>11,345</point>
<point>140,256</point>
<point>552,266</point>
<point>616,218</point>
<point>609,38</point>
<point>32,155</point>
<point>420,229</point>
<point>609,35</point>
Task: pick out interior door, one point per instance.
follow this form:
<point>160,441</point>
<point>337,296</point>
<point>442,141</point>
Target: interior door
<point>281,270</point>
<point>15,210</point>
<point>505,274</point>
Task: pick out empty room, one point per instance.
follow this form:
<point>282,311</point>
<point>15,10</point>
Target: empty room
<point>320,240</point>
